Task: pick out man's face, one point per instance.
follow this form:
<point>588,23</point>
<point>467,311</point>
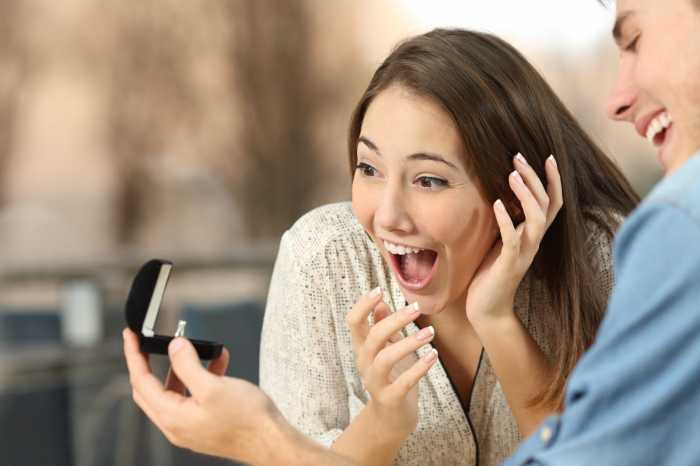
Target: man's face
<point>658,83</point>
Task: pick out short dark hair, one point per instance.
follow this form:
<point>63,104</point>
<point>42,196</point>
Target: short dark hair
<point>606,3</point>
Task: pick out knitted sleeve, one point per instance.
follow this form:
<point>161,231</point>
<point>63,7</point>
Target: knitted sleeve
<point>299,366</point>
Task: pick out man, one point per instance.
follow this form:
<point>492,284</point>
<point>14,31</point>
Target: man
<point>634,397</point>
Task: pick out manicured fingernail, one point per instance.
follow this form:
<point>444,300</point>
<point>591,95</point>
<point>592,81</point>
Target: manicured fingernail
<point>499,205</point>
<point>552,159</point>
<point>413,309</point>
<point>516,176</point>
<point>375,292</point>
<point>176,345</point>
<point>425,333</point>
<point>519,157</point>
<point>431,356</point>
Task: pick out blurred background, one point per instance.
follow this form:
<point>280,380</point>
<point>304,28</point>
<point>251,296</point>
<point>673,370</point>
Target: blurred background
<point>197,131</point>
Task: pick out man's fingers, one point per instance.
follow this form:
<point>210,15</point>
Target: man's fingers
<point>142,379</point>
<point>358,315</point>
<point>136,362</point>
<point>219,365</point>
<point>174,384</point>
<point>152,395</point>
<point>188,369</point>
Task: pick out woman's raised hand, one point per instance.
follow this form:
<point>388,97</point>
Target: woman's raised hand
<point>386,361</point>
<point>492,291</point>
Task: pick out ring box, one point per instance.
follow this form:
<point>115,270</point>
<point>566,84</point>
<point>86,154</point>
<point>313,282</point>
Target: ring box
<point>143,305</point>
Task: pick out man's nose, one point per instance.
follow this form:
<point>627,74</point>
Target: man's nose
<point>622,98</point>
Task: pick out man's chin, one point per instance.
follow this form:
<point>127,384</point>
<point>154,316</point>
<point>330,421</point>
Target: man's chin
<point>673,161</point>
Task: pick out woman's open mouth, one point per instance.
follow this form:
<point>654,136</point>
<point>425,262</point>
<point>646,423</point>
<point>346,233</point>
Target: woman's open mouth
<point>415,267</point>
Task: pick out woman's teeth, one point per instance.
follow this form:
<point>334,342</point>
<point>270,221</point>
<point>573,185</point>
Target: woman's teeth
<point>657,125</point>
<point>400,250</point>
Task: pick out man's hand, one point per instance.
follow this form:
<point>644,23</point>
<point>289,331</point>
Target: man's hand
<point>224,417</point>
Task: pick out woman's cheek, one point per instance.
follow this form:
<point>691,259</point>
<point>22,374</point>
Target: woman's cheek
<point>362,205</point>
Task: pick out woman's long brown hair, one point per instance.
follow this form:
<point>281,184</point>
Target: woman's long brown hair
<point>501,106</point>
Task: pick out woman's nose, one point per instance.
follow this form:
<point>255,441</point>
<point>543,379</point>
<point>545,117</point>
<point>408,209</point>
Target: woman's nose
<point>392,214</point>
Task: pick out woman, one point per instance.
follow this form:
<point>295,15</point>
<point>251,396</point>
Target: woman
<point>510,278</point>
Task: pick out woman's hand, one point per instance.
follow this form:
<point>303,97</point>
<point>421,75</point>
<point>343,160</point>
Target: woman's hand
<point>386,361</point>
<point>492,291</point>
<point>224,417</point>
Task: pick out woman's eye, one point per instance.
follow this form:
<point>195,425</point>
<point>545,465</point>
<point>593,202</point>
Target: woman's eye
<point>366,170</point>
<point>430,182</point>
<point>632,46</point>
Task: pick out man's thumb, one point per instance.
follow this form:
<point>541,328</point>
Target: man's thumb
<point>187,367</point>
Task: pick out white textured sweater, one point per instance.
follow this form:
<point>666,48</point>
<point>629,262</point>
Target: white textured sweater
<point>326,261</point>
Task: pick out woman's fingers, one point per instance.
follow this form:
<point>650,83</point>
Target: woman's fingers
<point>532,181</point>
<point>510,238</point>
<point>554,189</point>
<point>410,378</point>
<point>381,312</point>
<point>357,317</point>
<point>382,331</point>
<point>391,355</point>
<point>535,217</point>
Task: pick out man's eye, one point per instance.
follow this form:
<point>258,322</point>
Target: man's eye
<point>366,170</point>
<point>430,182</point>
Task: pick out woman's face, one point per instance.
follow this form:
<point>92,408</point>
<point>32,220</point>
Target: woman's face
<point>412,193</point>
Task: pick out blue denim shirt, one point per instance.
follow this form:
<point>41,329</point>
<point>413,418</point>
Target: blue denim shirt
<point>634,397</point>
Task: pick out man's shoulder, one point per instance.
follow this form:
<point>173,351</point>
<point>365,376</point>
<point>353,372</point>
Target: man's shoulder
<point>681,190</point>
<point>673,203</point>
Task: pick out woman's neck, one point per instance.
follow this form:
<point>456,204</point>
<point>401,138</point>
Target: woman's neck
<point>453,316</point>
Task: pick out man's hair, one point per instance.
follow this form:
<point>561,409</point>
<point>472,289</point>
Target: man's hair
<point>606,3</point>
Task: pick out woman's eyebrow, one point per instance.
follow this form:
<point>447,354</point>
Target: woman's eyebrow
<point>432,157</point>
<point>414,157</point>
<point>368,143</point>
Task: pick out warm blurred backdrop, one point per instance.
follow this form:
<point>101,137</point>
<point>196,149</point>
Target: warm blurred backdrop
<point>197,131</point>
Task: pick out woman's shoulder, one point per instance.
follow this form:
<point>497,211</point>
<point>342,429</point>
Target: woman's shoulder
<point>601,226</point>
<point>603,217</point>
<point>326,224</point>
<point>334,218</point>
<point>332,226</point>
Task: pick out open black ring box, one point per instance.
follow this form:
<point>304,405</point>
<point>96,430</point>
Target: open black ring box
<point>143,305</point>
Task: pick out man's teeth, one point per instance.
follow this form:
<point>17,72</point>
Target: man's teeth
<point>657,125</point>
<point>400,250</point>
